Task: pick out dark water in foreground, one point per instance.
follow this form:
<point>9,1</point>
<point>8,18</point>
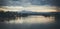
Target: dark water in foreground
<point>26,26</point>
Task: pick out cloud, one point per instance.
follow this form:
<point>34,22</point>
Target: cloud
<point>24,2</point>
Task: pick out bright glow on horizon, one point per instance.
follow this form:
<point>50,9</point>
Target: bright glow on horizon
<point>30,8</point>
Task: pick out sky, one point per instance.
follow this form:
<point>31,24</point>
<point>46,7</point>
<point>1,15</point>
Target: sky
<point>25,2</point>
<point>32,5</point>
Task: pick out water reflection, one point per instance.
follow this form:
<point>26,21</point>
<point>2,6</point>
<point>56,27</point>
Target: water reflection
<point>32,19</point>
<point>30,22</point>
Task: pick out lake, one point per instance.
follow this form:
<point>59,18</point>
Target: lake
<point>30,22</point>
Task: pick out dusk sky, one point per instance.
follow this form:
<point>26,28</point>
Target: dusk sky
<point>33,5</point>
<point>25,2</point>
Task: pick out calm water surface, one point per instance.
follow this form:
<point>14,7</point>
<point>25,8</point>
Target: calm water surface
<point>30,22</point>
